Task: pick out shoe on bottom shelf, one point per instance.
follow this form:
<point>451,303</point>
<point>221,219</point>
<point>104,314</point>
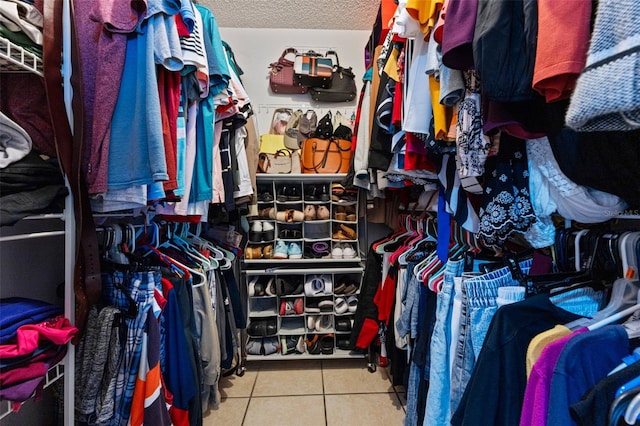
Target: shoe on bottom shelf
<point>254,346</point>
<point>313,344</point>
<point>326,344</point>
<point>292,345</point>
<point>270,345</point>
<point>344,343</point>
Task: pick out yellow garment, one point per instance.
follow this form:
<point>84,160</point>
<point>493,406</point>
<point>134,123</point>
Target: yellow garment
<point>442,115</point>
<point>391,67</point>
<point>539,342</point>
<point>425,12</point>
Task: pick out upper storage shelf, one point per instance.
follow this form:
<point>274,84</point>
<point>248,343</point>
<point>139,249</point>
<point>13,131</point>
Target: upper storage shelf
<point>15,58</point>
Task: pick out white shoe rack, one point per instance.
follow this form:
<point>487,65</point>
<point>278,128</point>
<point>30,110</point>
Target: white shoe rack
<point>267,307</point>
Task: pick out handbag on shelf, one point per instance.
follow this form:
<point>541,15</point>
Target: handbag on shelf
<point>324,130</point>
<point>312,70</point>
<point>281,77</point>
<point>341,127</point>
<point>270,144</point>
<point>291,130</point>
<point>325,155</point>
<point>342,87</point>
<point>282,162</point>
<point>279,120</point>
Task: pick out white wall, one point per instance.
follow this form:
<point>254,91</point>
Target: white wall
<point>256,48</point>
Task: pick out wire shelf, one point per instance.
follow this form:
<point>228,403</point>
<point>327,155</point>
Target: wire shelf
<point>15,58</point>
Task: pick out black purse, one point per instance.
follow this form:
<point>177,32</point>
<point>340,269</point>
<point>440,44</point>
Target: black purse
<point>342,88</point>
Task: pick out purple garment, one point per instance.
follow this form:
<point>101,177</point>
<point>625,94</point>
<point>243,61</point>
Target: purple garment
<point>536,395</point>
<point>22,391</point>
<point>457,36</point>
<point>584,361</point>
<point>24,100</point>
<point>102,31</point>
<point>416,145</point>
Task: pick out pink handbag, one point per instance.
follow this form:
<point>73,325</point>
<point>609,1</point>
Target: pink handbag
<point>281,77</point>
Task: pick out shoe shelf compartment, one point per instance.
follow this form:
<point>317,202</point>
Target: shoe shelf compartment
<point>309,314</point>
<point>308,218</point>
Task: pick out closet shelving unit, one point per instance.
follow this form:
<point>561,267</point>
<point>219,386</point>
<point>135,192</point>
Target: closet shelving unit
<point>14,58</point>
<point>296,325</point>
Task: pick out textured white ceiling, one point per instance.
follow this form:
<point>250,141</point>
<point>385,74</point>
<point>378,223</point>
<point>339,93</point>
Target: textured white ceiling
<point>295,14</point>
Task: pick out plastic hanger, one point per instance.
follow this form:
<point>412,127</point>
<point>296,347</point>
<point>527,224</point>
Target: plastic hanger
<point>627,249</point>
<point>632,413</point>
<point>201,278</point>
<point>222,257</point>
<point>624,293</point>
<point>615,317</point>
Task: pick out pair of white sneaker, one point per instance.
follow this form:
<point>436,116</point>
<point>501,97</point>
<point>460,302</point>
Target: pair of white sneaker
<point>348,303</point>
<point>319,323</point>
<point>343,251</point>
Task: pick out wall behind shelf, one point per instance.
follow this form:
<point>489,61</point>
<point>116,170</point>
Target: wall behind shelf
<point>33,267</point>
<point>256,48</point>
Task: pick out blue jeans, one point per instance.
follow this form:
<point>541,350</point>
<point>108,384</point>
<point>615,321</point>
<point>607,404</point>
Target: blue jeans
<point>437,410</point>
<point>479,296</point>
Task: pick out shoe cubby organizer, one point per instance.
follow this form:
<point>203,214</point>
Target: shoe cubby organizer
<point>301,313</point>
<point>308,218</point>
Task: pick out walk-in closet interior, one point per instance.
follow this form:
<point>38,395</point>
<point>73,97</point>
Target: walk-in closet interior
<point>331,212</point>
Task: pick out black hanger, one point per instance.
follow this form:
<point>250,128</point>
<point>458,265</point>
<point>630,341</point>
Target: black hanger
<point>132,309</point>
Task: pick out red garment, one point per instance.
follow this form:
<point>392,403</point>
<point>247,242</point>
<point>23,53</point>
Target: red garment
<point>58,330</point>
<point>178,416</point>
<point>169,94</point>
<point>160,300</point>
<point>561,52</point>
<point>396,111</point>
<point>368,332</point>
<point>22,374</point>
<point>385,296</point>
<point>183,31</point>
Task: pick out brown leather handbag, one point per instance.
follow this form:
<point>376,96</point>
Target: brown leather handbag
<point>326,155</point>
<point>281,77</point>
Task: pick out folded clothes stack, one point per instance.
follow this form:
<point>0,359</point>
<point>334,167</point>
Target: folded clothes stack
<point>33,338</point>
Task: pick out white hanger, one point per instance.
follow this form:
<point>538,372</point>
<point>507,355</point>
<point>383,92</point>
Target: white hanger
<point>632,413</point>
<point>615,317</point>
<point>222,257</point>
<point>627,248</point>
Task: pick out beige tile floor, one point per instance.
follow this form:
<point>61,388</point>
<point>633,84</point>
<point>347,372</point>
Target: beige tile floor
<point>332,392</point>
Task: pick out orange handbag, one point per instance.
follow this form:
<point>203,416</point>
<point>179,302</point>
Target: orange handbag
<point>326,155</point>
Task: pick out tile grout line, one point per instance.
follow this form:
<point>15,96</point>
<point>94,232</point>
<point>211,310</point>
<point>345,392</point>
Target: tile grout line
<point>324,396</point>
<point>246,410</point>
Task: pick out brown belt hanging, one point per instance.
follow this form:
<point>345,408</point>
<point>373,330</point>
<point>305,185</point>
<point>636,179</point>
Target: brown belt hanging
<point>86,280</point>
